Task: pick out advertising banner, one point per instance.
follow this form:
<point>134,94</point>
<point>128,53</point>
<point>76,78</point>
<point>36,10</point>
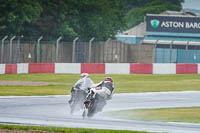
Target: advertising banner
<point>177,24</point>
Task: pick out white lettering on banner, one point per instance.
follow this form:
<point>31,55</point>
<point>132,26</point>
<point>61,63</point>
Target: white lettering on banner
<point>185,24</point>
<point>172,24</point>
<point>192,25</point>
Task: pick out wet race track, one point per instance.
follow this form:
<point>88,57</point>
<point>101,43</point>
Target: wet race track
<point>54,111</point>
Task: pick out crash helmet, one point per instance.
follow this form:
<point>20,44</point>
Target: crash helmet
<point>84,75</point>
<point>108,79</point>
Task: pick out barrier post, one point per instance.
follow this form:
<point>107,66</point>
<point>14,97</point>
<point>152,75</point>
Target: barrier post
<point>73,50</point>
<point>155,47</point>
<point>18,49</point>
<point>90,47</point>
<point>105,50</point>
<point>186,52</point>
<point>57,47</point>
<point>170,54</point>
<point>38,49</point>
<point>140,52</point>
<point>10,57</point>
<point>2,48</point>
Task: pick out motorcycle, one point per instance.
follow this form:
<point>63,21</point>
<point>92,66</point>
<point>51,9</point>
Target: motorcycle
<point>78,97</point>
<point>93,104</point>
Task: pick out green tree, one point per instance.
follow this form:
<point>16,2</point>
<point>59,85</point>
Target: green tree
<point>143,7</point>
<point>14,13</point>
<point>67,18</point>
<point>53,21</point>
<point>100,19</point>
<point>70,18</point>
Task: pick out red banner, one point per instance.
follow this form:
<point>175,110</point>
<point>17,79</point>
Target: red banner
<point>186,68</point>
<point>93,68</point>
<point>11,68</point>
<point>141,68</point>
<point>41,68</point>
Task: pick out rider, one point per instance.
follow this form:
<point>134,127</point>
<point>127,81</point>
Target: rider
<point>83,84</point>
<point>101,92</point>
<point>105,88</point>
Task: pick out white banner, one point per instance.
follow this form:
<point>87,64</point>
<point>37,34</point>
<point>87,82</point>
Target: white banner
<point>2,69</point>
<point>117,68</point>
<point>22,68</point>
<point>71,68</point>
<point>164,68</point>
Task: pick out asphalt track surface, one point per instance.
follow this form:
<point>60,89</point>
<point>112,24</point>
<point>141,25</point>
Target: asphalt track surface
<point>54,111</point>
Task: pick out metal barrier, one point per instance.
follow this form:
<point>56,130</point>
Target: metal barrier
<point>93,51</point>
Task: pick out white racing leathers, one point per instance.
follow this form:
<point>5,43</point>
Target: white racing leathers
<point>83,84</point>
<point>97,97</point>
<point>105,89</point>
<point>78,94</point>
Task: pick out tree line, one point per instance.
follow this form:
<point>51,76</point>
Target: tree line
<point>85,19</point>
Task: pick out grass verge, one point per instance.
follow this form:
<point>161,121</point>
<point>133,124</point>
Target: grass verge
<point>187,114</point>
<point>17,129</point>
<point>129,83</point>
<point>34,90</point>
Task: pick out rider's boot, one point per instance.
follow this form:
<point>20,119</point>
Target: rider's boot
<point>70,101</point>
<point>72,95</point>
